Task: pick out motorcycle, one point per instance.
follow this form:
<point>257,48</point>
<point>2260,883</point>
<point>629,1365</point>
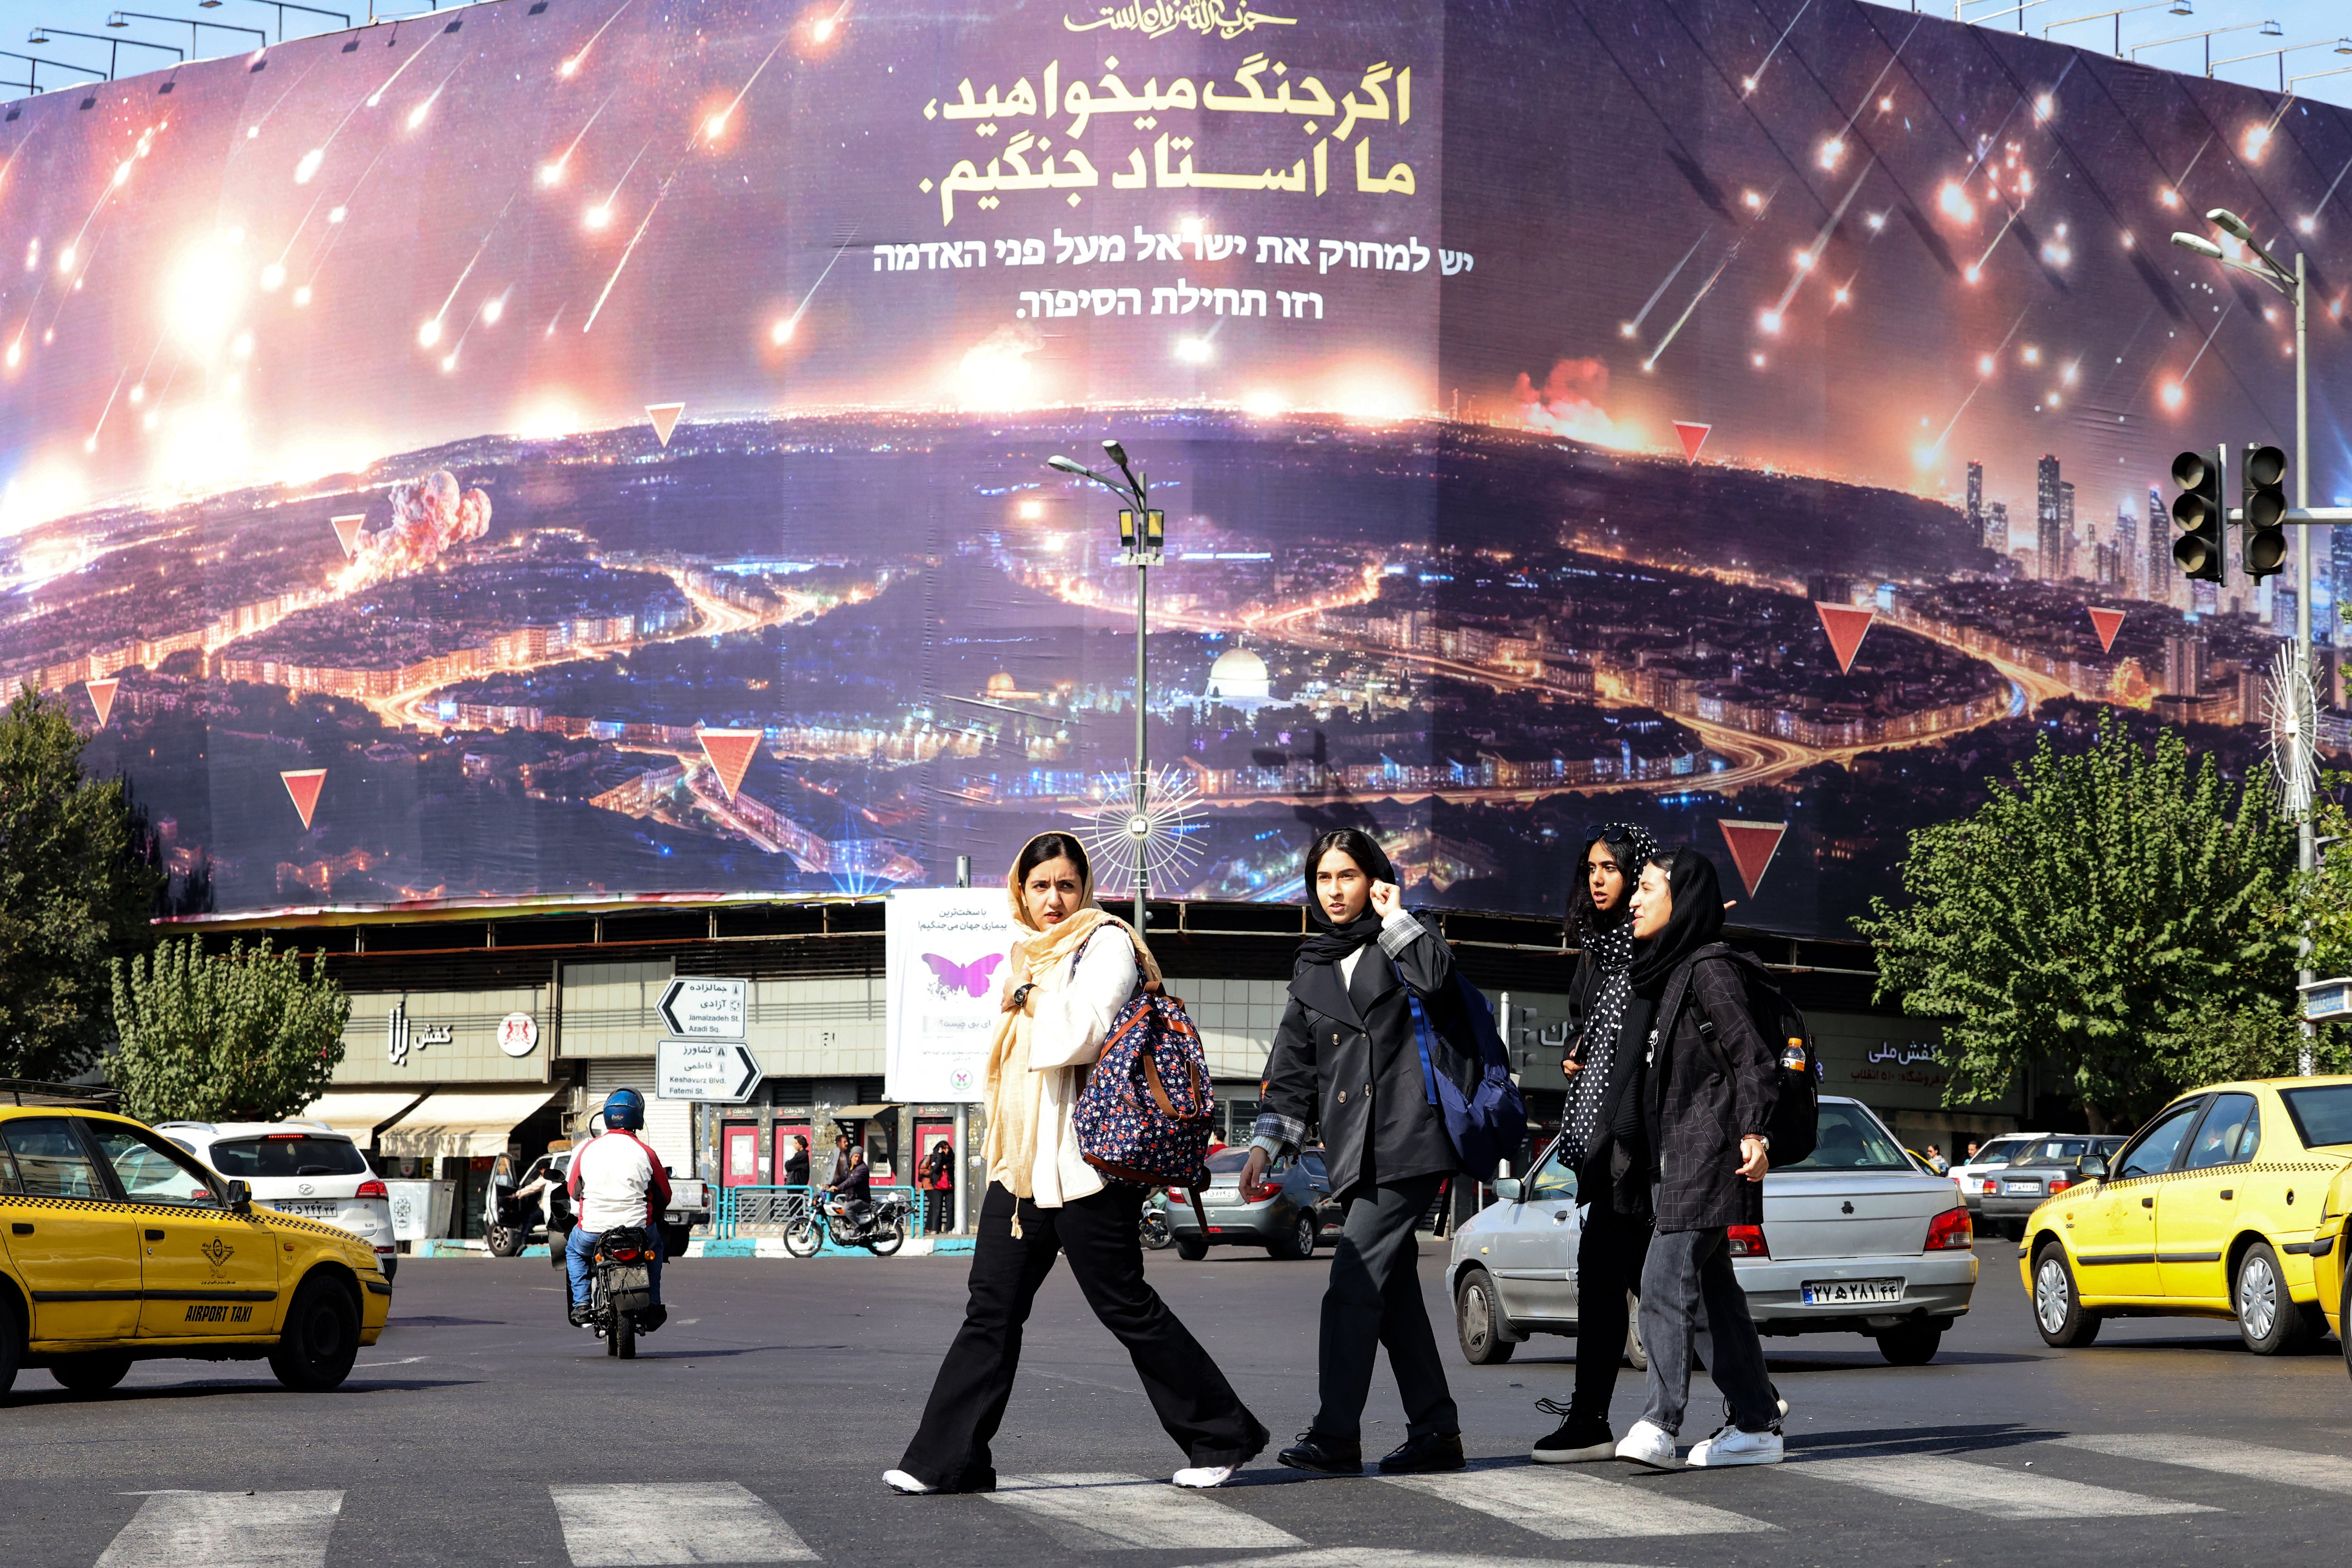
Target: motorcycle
<point>1153,1226</point>
<point>882,1232</point>
<point>620,1290</point>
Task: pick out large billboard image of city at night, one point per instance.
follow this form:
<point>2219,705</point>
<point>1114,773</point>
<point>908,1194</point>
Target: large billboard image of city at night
<point>589,448</point>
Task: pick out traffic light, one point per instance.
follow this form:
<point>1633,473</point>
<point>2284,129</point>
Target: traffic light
<point>2197,509</point>
<point>2262,487</point>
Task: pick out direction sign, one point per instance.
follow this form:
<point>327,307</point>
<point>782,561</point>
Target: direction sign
<point>700,1007</point>
<point>706,1070</point>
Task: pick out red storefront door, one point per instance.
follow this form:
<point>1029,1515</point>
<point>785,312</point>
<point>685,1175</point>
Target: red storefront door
<point>789,1137</point>
<point>742,1166</point>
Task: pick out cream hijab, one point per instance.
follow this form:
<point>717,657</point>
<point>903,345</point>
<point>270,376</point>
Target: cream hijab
<point>1009,1152</point>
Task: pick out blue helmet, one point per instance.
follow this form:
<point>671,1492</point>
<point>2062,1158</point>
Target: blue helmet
<point>624,1111</point>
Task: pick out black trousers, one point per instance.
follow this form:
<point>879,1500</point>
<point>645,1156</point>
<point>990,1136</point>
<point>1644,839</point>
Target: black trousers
<point>1373,1301</point>
<point>1609,1257</point>
<point>1099,1234</point>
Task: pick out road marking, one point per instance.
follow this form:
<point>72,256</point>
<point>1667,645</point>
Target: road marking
<point>1989,1490</point>
<point>227,1529</point>
<point>1566,1505</point>
<point>1391,1557</point>
<point>2295,1466</point>
<point>1113,1512</point>
<point>639,1523</point>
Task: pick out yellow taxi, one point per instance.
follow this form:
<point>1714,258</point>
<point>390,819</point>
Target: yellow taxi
<point>117,1246</point>
<point>2229,1204</point>
<point>2331,1270</point>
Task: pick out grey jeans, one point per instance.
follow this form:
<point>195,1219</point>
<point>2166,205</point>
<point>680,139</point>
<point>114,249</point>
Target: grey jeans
<point>1683,1269</point>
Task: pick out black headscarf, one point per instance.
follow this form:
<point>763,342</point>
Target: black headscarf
<point>1696,919</point>
<point>1329,942</point>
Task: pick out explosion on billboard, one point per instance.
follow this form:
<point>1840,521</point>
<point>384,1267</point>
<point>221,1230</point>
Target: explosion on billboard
<point>429,516</point>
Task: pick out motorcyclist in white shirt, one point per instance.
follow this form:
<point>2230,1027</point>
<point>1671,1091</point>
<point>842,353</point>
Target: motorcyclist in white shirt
<point>616,1180</point>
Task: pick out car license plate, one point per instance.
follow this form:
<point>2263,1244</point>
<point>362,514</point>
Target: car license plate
<point>2023,1189</point>
<point>1846,1292</point>
<point>310,1211</point>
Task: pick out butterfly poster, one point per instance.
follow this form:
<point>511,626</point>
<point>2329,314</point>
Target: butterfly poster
<point>945,953</point>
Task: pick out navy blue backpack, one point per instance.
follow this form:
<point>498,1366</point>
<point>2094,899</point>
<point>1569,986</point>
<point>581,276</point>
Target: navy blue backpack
<point>1487,1122</point>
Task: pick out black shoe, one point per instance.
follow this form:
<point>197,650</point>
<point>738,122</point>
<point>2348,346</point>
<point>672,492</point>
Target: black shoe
<point>579,1316</point>
<point>1313,1451</point>
<point>1578,1440</point>
<point>652,1318</point>
<point>1418,1456</point>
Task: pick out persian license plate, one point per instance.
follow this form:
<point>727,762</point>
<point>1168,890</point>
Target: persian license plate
<point>2022,1189</point>
<point>309,1210</point>
<point>1847,1292</point>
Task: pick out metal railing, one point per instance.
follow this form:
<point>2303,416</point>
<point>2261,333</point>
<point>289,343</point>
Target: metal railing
<point>769,1211</point>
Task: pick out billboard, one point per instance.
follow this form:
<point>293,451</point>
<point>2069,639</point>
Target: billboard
<point>559,448</point>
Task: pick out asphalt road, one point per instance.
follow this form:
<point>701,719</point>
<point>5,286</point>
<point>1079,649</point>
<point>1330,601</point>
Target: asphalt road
<point>759,1422</point>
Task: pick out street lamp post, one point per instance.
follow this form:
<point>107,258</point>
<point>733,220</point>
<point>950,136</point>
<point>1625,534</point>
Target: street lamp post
<point>2292,285</point>
<point>2342,45</point>
<point>281,8</point>
<point>2175,7</point>
<point>124,19</point>
<point>1142,533</point>
<point>38,62</point>
<point>2268,30</point>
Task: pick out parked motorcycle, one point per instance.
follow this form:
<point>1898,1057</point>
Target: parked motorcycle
<point>1155,1233</point>
<point>882,1232</point>
<point>620,1290</point>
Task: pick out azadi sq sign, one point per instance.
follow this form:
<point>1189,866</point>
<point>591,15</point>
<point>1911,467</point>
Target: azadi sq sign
<point>581,449</point>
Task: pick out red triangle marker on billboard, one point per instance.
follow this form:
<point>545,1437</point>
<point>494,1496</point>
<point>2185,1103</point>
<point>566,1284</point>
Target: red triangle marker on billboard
<point>1694,437</point>
<point>730,753</point>
<point>1752,846</point>
<point>665,418</point>
<point>2108,623</point>
<point>302,785</point>
<point>347,531</point>
<point>1845,624</point>
<point>102,697</point>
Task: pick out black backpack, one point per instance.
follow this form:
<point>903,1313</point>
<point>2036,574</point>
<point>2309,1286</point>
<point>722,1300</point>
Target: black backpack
<point>1795,1114</point>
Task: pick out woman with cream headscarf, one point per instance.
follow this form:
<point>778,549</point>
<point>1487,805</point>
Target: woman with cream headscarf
<point>1062,987</point>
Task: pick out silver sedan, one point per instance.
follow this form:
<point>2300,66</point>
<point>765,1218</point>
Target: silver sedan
<point>1856,1239</point>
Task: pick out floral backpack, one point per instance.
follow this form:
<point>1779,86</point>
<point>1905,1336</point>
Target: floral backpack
<point>1144,1116</point>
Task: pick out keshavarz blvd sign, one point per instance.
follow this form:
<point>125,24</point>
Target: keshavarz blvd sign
<point>722,1072</point>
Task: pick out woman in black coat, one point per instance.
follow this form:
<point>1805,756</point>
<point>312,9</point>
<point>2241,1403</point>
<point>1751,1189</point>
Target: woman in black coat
<point>1346,1054</point>
<point>1599,1134</point>
<point>1706,1097</point>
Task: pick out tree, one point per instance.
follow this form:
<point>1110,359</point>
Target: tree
<point>2120,915</point>
<point>74,893</point>
<point>240,1036</point>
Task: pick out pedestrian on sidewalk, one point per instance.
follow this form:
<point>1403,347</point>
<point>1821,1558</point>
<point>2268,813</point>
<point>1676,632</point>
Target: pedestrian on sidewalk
<point>938,1180</point>
<point>1065,983</point>
<point>1345,1054</point>
<point>840,1160</point>
<point>1706,1100</point>
<point>796,1167</point>
<point>1935,1161</point>
<point>1600,1136</point>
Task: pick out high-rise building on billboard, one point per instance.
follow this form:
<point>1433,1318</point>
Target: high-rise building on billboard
<point>2049,541</point>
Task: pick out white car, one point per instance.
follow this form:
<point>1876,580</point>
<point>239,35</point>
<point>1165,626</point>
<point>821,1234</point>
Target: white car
<point>1856,1239</point>
<point>303,1168</point>
<point>1990,1157</point>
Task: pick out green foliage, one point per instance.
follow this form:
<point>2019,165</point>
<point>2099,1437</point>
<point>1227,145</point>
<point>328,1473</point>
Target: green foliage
<point>2118,915</point>
<point>2323,897</point>
<point>240,1038</point>
<point>73,894</point>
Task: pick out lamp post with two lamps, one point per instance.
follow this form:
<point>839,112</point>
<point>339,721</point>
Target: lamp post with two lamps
<point>124,19</point>
<point>1142,534</point>
<point>41,35</point>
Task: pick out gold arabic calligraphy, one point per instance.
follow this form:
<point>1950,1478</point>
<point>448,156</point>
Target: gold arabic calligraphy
<point>1157,21</point>
<point>1307,99</point>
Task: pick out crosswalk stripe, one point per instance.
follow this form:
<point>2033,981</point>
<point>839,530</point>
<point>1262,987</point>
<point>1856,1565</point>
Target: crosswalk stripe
<point>1393,1557</point>
<point>1113,1512</point>
<point>1989,1490</point>
<point>628,1525</point>
<point>227,1529</point>
<point>2293,1467</point>
<point>1567,1505</point>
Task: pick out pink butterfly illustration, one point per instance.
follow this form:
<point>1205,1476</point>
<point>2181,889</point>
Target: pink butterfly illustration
<point>969,978</point>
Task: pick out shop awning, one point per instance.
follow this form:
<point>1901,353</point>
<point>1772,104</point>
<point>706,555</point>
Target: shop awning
<point>464,1122</point>
<point>360,1112</point>
<point>863,1112</point>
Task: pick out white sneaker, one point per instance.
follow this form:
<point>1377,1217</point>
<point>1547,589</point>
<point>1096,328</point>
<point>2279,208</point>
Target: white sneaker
<point>900,1481</point>
<point>1649,1444</point>
<point>1733,1446</point>
<point>1204,1477</point>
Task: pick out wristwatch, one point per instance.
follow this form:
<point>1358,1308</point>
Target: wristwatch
<point>1021,994</point>
<point>1761,1138</point>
